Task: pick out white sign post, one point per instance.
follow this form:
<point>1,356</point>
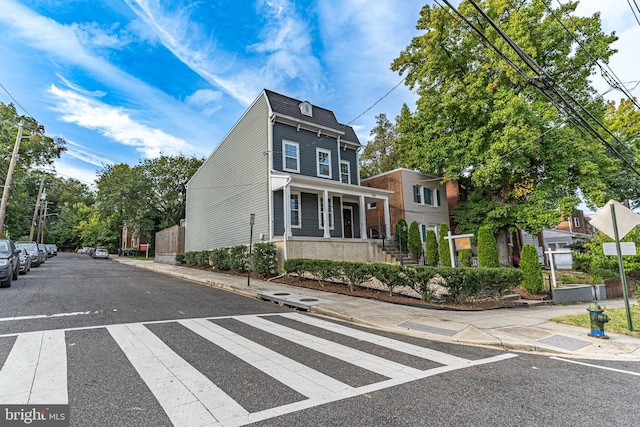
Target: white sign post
<point>616,220</point>
<point>452,250</point>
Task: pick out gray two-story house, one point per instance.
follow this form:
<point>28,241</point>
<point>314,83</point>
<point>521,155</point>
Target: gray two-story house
<point>295,167</point>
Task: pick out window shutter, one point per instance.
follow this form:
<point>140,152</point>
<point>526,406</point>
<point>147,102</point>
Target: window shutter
<point>416,194</point>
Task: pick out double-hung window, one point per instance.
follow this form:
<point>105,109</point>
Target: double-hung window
<point>324,162</point>
<point>576,221</point>
<point>416,194</point>
<point>295,211</point>
<point>290,156</point>
<point>345,172</point>
<point>436,197</point>
<point>426,192</point>
<point>321,211</point>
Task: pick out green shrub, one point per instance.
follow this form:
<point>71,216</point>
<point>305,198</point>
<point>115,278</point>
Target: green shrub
<point>402,234</point>
<point>220,259</point>
<point>239,258</point>
<point>443,246</point>
<point>582,262</point>
<point>431,245</point>
<point>487,248</point>
<point>414,241</point>
<point>391,276</point>
<point>297,266</point>
<point>264,259</point>
<point>323,270</point>
<point>197,258</point>
<point>180,258</point>
<point>531,269</point>
<point>464,256</point>
<point>420,277</point>
<point>355,274</point>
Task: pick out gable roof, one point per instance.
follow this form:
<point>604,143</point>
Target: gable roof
<point>286,106</point>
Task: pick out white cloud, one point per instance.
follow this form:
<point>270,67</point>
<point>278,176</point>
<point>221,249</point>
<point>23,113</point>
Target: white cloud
<point>84,154</point>
<point>285,43</point>
<point>115,123</point>
<point>66,170</point>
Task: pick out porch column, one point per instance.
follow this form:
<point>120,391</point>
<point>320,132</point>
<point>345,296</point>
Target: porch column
<point>325,214</point>
<point>363,219</point>
<point>287,210</point>
<point>387,218</point>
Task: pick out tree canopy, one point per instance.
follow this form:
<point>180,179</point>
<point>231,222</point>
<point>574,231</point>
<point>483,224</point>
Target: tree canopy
<point>379,155</point>
<point>479,121</point>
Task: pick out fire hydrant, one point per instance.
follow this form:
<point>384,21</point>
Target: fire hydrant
<point>597,320</point>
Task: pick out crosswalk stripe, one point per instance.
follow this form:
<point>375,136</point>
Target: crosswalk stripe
<point>425,353</point>
<point>299,377</point>
<point>350,355</point>
<point>188,397</point>
<point>35,371</point>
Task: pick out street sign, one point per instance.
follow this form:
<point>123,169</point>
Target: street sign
<point>626,248</point>
<point>625,217</point>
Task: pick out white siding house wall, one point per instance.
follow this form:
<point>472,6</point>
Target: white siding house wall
<point>431,216</point>
<point>231,185</point>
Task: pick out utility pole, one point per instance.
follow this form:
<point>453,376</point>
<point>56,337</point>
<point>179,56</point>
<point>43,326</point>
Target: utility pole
<point>35,211</point>
<point>7,183</point>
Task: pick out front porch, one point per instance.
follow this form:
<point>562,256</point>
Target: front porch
<point>334,249</point>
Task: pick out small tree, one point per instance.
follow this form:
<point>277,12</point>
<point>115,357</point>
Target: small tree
<point>464,256</point>
<point>487,248</point>
<point>443,246</point>
<point>431,245</point>
<point>414,241</point>
<point>401,233</point>
<point>531,269</point>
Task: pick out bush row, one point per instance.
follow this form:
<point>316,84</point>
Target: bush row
<point>263,259</point>
<point>461,283</point>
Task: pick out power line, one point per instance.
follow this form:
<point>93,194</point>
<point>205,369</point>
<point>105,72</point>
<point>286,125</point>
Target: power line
<point>635,15</point>
<point>612,79</point>
<point>15,100</point>
<point>547,86</point>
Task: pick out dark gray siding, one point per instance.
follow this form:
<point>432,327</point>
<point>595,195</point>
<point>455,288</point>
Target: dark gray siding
<point>308,142</point>
<point>310,219</point>
<point>349,155</point>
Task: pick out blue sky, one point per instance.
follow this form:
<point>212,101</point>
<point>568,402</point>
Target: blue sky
<point>124,80</point>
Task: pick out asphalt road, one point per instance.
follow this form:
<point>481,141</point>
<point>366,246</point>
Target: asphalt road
<point>129,347</point>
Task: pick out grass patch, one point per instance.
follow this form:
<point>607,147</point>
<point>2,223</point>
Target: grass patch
<point>617,320</point>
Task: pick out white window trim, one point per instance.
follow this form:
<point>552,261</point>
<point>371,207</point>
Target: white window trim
<point>348,163</point>
<point>328,152</point>
<point>372,206</point>
<point>435,195</point>
<point>331,213</point>
<point>576,221</point>
<point>284,156</point>
<point>296,193</point>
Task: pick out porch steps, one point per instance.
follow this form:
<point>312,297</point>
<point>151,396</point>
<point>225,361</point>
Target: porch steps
<point>393,251</point>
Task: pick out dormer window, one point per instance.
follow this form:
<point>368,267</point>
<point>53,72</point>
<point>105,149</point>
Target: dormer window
<point>305,108</point>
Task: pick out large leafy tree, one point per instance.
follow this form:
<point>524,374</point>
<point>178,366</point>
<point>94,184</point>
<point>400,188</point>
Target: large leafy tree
<point>479,121</point>
<point>379,155</point>
<point>36,150</point>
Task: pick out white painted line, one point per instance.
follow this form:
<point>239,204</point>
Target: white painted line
<point>295,375</point>
<point>306,404</point>
<point>350,355</point>
<point>35,371</point>
<point>187,396</point>
<point>422,352</point>
<point>596,366</point>
<point>42,316</point>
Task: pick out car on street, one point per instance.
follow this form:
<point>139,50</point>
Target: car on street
<point>43,251</point>
<point>37,257</point>
<point>9,262</point>
<point>25,261</point>
<point>52,248</point>
<point>101,252</point>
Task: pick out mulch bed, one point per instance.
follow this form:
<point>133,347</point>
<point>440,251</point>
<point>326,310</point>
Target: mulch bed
<point>484,304</point>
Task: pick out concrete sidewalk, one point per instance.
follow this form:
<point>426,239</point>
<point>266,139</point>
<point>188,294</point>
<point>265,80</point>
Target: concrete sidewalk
<point>521,329</point>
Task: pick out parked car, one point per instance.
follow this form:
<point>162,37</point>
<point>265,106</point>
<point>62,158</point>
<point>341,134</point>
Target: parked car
<point>9,262</point>
<point>37,257</point>
<point>43,251</point>
<point>101,252</point>
<point>52,248</point>
<point>25,261</point>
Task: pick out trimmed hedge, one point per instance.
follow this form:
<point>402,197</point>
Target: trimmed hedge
<point>461,283</point>
<point>431,245</point>
<point>531,269</point>
<point>487,248</point>
<point>444,253</point>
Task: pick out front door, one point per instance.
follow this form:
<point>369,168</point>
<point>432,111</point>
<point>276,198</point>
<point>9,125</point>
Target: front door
<point>347,215</point>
